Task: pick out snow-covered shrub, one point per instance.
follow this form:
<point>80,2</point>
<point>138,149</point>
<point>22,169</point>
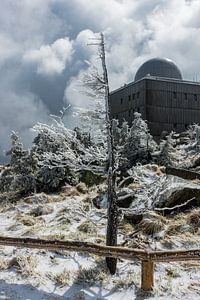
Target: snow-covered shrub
<point>19,178</point>
<point>181,149</point>
<point>56,156</point>
<point>167,155</point>
<point>134,144</point>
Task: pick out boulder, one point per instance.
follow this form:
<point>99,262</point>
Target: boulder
<point>124,199</point>
<point>82,188</point>
<point>41,210</point>
<point>100,201</point>
<point>177,191</point>
<point>133,217</point>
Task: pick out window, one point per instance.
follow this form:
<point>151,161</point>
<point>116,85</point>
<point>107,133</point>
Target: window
<point>117,116</point>
<point>129,98</point>
<point>185,96</point>
<point>121,100</point>
<point>138,94</point>
<point>175,95</point>
<point>195,97</point>
<point>186,126</point>
<point>133,96</point>
<point>175,125</point>
<point>129,113</point>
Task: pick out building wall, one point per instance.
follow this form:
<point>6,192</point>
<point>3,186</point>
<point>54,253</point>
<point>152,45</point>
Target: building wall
<point>127,100</point>
<point>171,105</point>
<point>166,104</point>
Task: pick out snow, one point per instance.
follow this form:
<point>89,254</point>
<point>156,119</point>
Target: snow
<point>36,275</point>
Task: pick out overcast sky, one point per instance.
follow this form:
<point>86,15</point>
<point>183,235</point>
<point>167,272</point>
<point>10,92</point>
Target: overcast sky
<point>43,46</point>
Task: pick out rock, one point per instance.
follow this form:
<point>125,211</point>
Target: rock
<point>177,191</point>
<point>100,201</point>
<point>183,173</point>
<point>82,188</point>
<point>41,210</point>
<point>37,198</point>
<point>133,217</point>
<point>124,199</point>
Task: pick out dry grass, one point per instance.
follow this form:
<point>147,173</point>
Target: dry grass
<point>57,237</point>
<point>100,275</point>
<point>185,223</point>
<point>87,199</point>
<point>87,227</point>
<point>24,264</point>
<point>93,275</point>
<point>138,242</point>
<point>193,218</point>
<point>78,236</point>
<point>190,265</point>
<point>127,228</point>
<point>173,272</point>
<point>62,278</point>
<point>126,282</point>
<point>38,198</point>
<point>64,220</point>
<point>69,191</point>
<point>86,206</point>
<point>159,170</point>
<point>152,223</point>
<point>174,227</point>
<point>134,186</point>
<point>197,181</point>
<point>4,263</point>
<point>6,206</point>
<point>86,236</point>
<point>82,188</point>
<point>194,286</point>
<point>40,211</point>
<point>25,220</point>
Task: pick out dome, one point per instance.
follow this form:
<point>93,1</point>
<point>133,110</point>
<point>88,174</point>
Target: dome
<point>159,67</point>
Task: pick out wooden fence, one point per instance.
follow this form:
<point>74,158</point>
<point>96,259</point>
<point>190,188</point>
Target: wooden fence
<point>147,257</point>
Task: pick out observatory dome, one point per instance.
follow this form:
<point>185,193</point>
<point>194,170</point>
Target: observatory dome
<point>159,67</point>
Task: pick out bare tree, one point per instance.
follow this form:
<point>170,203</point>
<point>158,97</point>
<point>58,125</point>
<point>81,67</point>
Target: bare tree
<point>99,85</point>
<point>111,235</point>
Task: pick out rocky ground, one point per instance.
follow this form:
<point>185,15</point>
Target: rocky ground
<point>79,213</point>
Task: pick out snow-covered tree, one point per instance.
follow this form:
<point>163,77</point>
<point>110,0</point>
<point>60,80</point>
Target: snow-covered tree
<point>19,178</point>
<point>56,157</point>
<point>135,144</point>
<point>98,114</point>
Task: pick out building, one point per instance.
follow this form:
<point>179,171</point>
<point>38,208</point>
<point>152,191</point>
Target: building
<point>161,95</point>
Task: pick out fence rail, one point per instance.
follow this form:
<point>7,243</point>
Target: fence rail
<point>147,257</point>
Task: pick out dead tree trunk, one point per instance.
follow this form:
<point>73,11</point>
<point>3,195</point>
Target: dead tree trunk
<point>111,236</point>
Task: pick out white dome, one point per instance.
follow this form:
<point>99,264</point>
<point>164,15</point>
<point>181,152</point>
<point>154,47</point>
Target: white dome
<point>159,67</point>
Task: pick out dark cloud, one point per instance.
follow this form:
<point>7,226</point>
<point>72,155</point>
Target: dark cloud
<point>43,48</point>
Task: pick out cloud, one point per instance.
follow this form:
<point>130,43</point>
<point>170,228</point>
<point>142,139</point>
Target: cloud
<point>51,59</point>
<point>22,112</point>
<point>44,45</point>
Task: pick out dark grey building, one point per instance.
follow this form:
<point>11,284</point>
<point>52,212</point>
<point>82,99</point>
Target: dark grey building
<point>160,94</point>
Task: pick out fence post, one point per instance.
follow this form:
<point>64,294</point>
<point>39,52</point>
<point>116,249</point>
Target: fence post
<point>147,276</point>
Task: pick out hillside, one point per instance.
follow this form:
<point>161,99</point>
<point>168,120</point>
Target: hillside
<point>71,214</point>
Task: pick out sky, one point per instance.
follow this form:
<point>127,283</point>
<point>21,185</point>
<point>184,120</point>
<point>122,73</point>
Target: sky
<point>44,49</point>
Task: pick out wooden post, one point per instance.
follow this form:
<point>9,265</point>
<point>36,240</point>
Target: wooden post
<point>147,276</point>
